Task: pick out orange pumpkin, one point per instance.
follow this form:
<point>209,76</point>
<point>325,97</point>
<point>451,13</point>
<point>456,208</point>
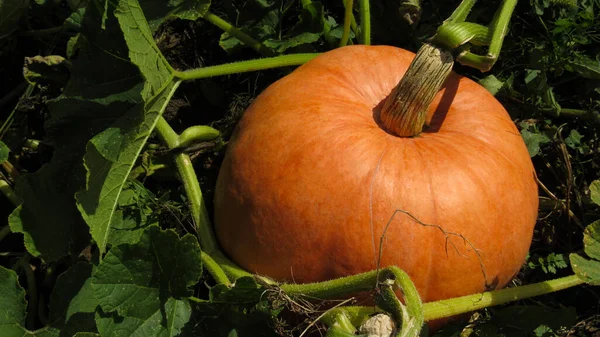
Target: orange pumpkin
<point>310,181</point>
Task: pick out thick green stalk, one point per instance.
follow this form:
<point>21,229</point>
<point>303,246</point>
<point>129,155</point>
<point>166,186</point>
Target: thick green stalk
<point>9,193</point>
<point>167,134</point>
<point>461,305</point>
<point>214,269</point>
<point>238,34</point>
<point>387,281</point>
<point>4,232</point>
<point>461,12</point>
<point>32,292</point>
<point>333,288</point>
<point>346,285</point>
<point>365,22</point>
<point>411,314</point>
<point>206,235</point>
<point>196,134</point>
<point>357,315</point>
<point>500,26</point>
<point>245,66</point>
<point>347,22</point>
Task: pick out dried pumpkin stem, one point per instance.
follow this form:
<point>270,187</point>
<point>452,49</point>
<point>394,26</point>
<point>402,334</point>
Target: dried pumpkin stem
<point>405,110</point>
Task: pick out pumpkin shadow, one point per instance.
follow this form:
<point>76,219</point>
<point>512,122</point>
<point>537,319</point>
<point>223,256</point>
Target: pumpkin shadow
<point>450,88</point>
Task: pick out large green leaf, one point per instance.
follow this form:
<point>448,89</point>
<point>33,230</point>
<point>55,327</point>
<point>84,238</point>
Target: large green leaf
<point>143,52</point>
<point>110,155</point>
<point>109,159</point>
<point>103,85</point>
<point>142,288</point>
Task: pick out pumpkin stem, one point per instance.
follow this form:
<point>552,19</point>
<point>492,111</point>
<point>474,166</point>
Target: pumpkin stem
<point>405,110</point>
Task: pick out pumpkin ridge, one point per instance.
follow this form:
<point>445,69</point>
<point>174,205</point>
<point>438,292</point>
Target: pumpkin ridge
<point>371,222</point>
<point>428,277</point>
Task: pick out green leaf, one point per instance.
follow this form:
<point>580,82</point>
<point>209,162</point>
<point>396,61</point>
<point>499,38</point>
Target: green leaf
<point>17,220</point>
<point>309,28</point>
<point>132,216</point>
<point>574,140</point>
<point>311,19</point>
<point>13,308</point>
<point>143,52</point>
<point>110,155</point>
<point>262,19</point>
<point>245,290</point>
<point>591,240</point>
<point>586,67</point>
<point>4,152</point>
<point>44,69</point>
<point>549,264</point>
<point>142,288</point>
<point>533,140</point>
<point>73,302</point>
<point>91,101</point>
<point>589,270</point>
<point>259,19</point>
<point>595,191</point>
<point>109,159</point>
<point>282,45</point>
<point>74,21</point>
<point>11,12</point>
<point>245,309</point>
<point>492,84</point>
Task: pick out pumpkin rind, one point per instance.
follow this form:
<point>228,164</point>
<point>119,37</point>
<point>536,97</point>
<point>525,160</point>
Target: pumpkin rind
<point>310,181</point>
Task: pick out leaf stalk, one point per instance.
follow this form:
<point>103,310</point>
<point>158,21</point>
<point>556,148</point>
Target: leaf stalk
<point>245,66</point>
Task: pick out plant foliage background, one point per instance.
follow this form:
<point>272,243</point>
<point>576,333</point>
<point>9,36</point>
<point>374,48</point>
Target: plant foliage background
<point>84,83</point>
